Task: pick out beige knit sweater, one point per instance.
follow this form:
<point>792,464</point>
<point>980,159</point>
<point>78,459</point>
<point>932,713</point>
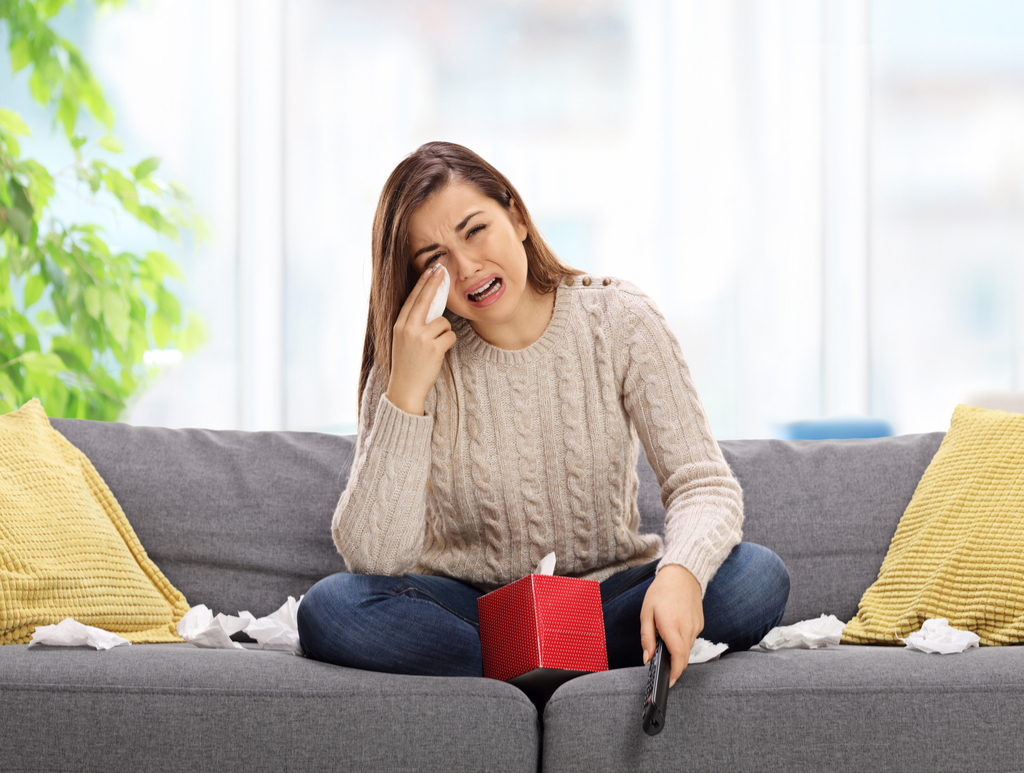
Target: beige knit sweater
<point>524,452</point>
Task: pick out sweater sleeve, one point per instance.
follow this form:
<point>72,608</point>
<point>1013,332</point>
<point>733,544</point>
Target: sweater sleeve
<point>379,522</point>
<point>703,500</point>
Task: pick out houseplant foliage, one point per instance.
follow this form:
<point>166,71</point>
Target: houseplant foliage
<point>76,314</point>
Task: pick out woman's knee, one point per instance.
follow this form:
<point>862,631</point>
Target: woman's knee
<point>326,615</point>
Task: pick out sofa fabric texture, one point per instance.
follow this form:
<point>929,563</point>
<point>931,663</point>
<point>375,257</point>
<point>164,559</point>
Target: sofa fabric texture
<point>240,521</point>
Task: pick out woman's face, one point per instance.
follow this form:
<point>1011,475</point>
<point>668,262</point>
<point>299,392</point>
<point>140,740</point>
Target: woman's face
<point>481,246</point>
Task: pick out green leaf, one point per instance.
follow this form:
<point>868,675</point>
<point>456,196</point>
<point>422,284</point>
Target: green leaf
<point>67,113</point>
<point>21,54</point>
<point>78,141</point>
<point>42,365</point>
<point>160,266</point>
<point>111,143</point>
<point>46,318</point>
<point>18,223</point>
<point>34,289</point>
<point>11,123</point>
<point>115,314</point>
<point>41,89</point>
<point>161,330</point>
<point>92,301</point>
<point>143,169</point>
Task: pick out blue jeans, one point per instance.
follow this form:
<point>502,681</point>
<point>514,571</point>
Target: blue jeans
<point>425,625</point>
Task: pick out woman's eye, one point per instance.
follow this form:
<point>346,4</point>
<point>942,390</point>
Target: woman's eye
<point>475,229</point>
<point>431,259</point>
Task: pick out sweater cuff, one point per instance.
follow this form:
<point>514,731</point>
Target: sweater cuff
<point>402,432</point>
<point>694,559</point>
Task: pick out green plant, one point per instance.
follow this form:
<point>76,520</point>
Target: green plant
<point>76,314</point>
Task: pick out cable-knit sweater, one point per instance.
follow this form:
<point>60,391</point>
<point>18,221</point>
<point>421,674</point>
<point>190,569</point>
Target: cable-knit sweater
<point>521,452</point>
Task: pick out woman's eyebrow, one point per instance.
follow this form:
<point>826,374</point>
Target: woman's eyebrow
<point>458,228</point>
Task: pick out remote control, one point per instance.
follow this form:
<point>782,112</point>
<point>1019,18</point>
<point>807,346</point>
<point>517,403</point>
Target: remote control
<point>658,671</point>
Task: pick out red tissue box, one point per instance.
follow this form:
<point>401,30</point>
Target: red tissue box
<point>542,629</point>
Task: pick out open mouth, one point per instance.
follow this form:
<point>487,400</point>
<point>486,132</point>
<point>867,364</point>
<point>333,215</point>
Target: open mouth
<point>486,291</point>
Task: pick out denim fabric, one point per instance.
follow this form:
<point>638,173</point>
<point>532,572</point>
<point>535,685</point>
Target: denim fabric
<point>425,625</point>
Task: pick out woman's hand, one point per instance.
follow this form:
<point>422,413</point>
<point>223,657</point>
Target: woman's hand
<point>674,609</point>
<point>418,349</point>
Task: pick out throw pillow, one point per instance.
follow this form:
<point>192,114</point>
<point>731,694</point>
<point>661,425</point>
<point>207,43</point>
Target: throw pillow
<point>958,551</point>
<point>66,547</point>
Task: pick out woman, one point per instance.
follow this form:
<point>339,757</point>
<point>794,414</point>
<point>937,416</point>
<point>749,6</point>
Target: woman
<point>508,428</point>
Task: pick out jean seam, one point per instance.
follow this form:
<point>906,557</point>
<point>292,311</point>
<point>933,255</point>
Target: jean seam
<point>410,590</point>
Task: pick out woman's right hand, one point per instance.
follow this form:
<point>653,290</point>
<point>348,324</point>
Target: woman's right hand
<point>418,348</point>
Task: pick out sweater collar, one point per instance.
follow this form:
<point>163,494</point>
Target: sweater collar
<point>474,346</point>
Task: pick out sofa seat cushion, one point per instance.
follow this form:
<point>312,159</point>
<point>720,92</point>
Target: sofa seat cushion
<point>844,708</point>
<point>175,707</point>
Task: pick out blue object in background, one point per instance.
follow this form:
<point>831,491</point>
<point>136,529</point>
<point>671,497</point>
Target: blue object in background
<point>824,429</point>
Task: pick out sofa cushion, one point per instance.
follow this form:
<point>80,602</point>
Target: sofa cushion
<point>828,508</point>
<point>236,520</point>
<point>175,708</point>
<point>66,548</point>
<point>841,709</point>
<point>957,552</point>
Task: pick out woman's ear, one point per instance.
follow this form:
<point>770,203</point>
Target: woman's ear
<point>522,231</point>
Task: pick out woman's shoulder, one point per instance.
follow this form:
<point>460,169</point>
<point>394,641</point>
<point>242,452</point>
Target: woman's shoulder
<point>618,296</point>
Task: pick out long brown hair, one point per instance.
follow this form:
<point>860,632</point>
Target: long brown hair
<point>419,176</point>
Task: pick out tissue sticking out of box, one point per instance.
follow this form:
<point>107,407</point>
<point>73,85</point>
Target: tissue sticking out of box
<point>546,565</point>
<point>937,636</point>
<point>277,631</point>
<point>807,634</point>
<point>71,633</point>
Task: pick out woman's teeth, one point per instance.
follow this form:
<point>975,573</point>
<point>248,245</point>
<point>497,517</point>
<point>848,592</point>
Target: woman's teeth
<point>486,290</point>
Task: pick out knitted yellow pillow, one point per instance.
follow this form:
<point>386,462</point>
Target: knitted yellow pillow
<point>66,547</point>
<point>958,551</point>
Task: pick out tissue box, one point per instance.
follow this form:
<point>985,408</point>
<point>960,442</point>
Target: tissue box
<point>542,629</point>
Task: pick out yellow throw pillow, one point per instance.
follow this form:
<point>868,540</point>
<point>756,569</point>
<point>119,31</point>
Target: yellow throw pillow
<point>66,547</point>
<point>958,551</point>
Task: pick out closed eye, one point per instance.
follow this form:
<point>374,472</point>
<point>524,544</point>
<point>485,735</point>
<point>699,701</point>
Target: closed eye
<point>431,259</point>
<point>475,229</point>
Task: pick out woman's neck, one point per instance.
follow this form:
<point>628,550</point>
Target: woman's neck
<point>525,327</point>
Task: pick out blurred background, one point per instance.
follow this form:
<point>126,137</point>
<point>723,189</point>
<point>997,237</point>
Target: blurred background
<point>825,197</point>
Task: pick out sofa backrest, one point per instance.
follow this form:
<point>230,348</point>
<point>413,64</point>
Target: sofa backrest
<point>828,508</point>
<point>241,520</point>
<point>235,520</point>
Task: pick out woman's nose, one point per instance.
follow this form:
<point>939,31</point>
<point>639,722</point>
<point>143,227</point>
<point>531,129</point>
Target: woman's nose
<point>463,264</point>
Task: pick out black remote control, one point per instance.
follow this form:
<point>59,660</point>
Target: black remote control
<point>658,671</point>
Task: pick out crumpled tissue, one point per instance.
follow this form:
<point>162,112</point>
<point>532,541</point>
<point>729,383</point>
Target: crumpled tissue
<point>277,631</point>
<point>702,650</point>
<point>71,633</point>
<point>936,635</point>
<point>807,634</point>
<point>440,297</point>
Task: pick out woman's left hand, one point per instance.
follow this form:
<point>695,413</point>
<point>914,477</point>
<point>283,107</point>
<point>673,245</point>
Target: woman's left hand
<point>674,609</point>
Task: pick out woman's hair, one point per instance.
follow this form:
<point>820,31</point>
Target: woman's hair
<point>419,176</point>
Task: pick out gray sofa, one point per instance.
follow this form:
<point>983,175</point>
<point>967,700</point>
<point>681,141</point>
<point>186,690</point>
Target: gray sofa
<point>240,521</point>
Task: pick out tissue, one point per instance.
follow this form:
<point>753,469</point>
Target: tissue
<point>937,636</point>
<point>71,633</point>
<point>440,297</point>
<point>277,631</point>
<point>703,651</point>
<point>807,634</point>
<point>546,565</point>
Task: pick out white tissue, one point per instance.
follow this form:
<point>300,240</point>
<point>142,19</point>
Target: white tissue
<point>936,635</point>
<point>201,628</point>
<point>71,633</point>
<point>546,565</point>
<point>440,297</point>
<point>703,651</point>
<point>278,631</point>
<point>807,634</point>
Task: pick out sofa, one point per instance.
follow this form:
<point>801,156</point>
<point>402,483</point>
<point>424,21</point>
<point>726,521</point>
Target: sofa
<point>241,520</point>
